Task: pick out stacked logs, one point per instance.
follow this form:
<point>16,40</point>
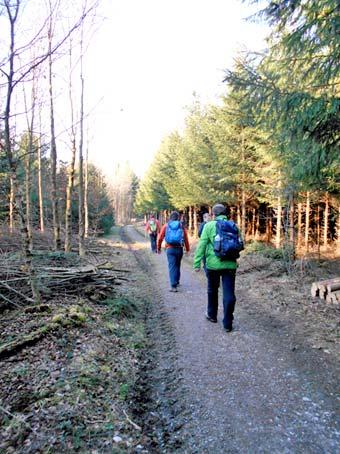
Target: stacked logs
<point>328,290</point>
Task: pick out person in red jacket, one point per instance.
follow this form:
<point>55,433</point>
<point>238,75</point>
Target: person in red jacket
<point>176,237</point>
<point>153,228</point>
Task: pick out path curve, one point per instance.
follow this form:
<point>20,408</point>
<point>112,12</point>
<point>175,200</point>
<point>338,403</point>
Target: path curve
<point>241,392</point>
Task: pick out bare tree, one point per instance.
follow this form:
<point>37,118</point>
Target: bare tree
<point>12,11</point>
<point>54,191</point>
<point>81,159</point>
<point>71,169</point>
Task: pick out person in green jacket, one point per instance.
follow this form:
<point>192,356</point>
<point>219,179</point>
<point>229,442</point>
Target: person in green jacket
<point>217,270</point>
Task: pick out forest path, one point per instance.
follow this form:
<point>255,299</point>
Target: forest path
<point>247,391</point>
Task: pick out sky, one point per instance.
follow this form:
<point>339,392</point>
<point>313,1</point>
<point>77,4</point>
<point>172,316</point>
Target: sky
<point>144,63</point>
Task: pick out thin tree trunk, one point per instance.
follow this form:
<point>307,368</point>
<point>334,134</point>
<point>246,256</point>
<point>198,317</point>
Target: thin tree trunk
<point>253,223</point>
<point>268,225</point>
<point>299,232</point>
<point>338,230</point>
<point>243,213</point>
<point>54,191</point>
<point>195,223</point>
<point>71,169</point>
<point>28,160</point>
<point>86,190</point>
<point>16,189</point>
<point>238,215</point>
<point>40,186</point>
<point>190,219</point>
<point>325,221</point>
<point>11,203</point>
<point>291,224</point>
<point>257,231</point>
<point>318,230</point>
<point>28,178</point>
<point>307,221</point>
<point>278,223</point>
<point>81,163</point>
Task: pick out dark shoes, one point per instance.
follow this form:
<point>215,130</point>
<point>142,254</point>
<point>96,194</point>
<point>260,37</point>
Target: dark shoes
<point>211,319</point>
<point>229,329</point>
<point>173,289</point>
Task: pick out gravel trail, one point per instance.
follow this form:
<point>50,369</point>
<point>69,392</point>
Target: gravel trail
<point>247,391</point>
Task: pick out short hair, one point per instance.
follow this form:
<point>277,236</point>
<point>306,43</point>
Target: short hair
<point>174,216</point>
<point>206,217</point>
<point>219,209</point>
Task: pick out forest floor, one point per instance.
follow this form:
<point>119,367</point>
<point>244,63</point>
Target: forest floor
<point>142,371</point>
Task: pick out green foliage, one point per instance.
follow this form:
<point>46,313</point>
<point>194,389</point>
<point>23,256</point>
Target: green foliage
<point>120,308</point>
<point>259,247</point>
<point>106,222</point>
<point>293,92</point>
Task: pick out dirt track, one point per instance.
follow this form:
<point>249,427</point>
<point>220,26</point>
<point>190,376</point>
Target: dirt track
<point>260,389</point>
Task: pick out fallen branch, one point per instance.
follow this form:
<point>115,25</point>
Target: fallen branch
<point>13,347</point>
<point>11,289</point>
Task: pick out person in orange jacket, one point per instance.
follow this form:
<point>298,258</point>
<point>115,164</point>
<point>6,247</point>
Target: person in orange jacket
<point>153,228</point>
<point>176,237</point>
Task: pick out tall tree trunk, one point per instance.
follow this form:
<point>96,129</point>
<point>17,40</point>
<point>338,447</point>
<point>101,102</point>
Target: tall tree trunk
<point>253,223</point>
<point>291,219</point>
<point>338,230</point>
<point>40,186</point>
<point>28,178</point>
<point>71,169</point>
<point>278,223</point>
<point>16,194</point>
<point>86,192</point>
<point>243,213</point>
<point>299,232</point>
<point>318,229</point>
<point>195,223</point>
<point>257,230</point>
<point>11,202</point>
<point>81,159</point>
<point>325,220</point>
<point>291,224</point>
<point>54,191</point>
<point>307,221</point>
<point>28,159</point>
<point>268,225</point>
<point>238,215</point>
<point>190,219</point>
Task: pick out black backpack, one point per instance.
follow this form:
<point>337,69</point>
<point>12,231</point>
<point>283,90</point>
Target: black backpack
<point>227,243</point>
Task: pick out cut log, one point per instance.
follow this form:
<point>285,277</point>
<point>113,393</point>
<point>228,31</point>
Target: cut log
<point>336,296</point>
<point>314,290</point>
<point>333,287</point>
<point>325,287</point>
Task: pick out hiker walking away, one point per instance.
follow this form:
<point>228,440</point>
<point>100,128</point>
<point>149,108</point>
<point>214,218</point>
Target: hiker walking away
<point>176,237</point>
<point>220,244</point>
<point>206,219</point>
<point>153,228</point>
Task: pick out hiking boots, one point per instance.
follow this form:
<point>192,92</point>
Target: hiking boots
<point>211,319</point>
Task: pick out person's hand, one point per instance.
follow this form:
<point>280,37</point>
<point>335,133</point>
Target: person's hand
<point>197,270</point>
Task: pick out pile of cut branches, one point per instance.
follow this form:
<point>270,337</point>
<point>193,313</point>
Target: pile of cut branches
<point>95,281</point>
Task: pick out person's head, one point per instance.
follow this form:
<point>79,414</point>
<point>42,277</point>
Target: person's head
<point>218,209</point>
<point>152,217</point>
<point>206,217</point>
<point>174,216</point>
